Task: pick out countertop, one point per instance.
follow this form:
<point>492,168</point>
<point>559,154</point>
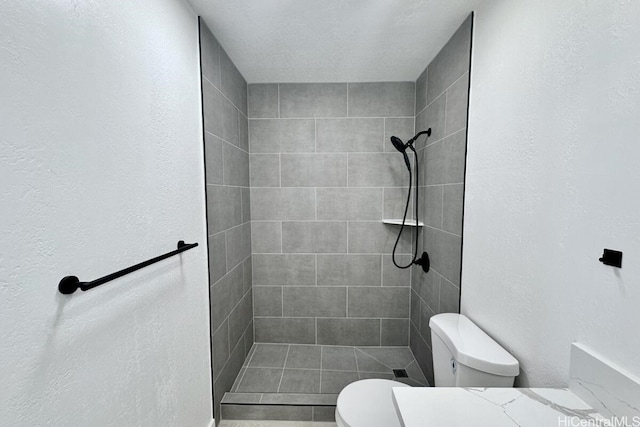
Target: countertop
<point>492,407</point>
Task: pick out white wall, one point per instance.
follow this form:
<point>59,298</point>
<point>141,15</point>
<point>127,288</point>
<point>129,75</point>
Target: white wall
<point>553,177</point>
<point>101,166</point>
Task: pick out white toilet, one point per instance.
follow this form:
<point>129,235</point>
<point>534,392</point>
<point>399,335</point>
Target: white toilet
<point>463,356</point>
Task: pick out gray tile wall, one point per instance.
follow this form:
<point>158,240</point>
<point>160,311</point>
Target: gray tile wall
<point>229,222</point>
<point>441,103</point>
<point>323,176</point>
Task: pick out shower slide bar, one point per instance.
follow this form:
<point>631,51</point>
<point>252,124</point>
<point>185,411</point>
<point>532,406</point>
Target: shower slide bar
<point>70,284</point>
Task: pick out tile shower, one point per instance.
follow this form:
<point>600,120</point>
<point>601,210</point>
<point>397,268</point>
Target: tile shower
<point>441,103</point>
<point>304,295</point>
<point>321,183</point>
<point>224,104</point>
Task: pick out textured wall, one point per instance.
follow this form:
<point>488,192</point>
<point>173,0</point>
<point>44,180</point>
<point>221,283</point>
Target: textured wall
<point>101,168</point>
<point>323,175</point>
<point>552,179</point>
<point>224,95</point>
<point>441,104</point>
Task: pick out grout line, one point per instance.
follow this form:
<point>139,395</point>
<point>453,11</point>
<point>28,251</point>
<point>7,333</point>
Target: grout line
<point>248,127</point>
<point>318,221</point>
<point>415,94</point>
<point>222,149</point>
<point>440,94</point>
<point>443,231</point>
<point>348,236</point>
<point>410,363</point>
<point>360,187</point>
<point>232,227</point>
<point>228,142</point>
<point>253,298</point>
<point>444,185</point>
<point>331,117</point>
<point>443,138</point>
<point>348,169</point>
<point>346,288</point>
<point>446,99</point>
<point>219,62</point>
<point>384,132</point>
<point>237,381</point>
<point>321,351</point>
<point>442,207</point>
<point>324,220</point>
<point>223,95</point>
<point>375,358</point>
<point>285,364</point>
<point>334,253</point>
<point>355,355</point>
<point>393,347</point>
<point>316,270</point>
<point>229,341</point>
<point>357,153</point>
<point>244,366</point>
<point>226,252</point>
<point>238,125</point>
<point>255,348</point>
<point>347,99</point>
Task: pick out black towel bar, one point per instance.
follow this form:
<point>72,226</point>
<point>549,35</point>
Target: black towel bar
<point>70,284</point>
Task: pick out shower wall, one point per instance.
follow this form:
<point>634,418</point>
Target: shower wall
<point>441,103</point>
<point>224,97</point>
<point>323,176</point>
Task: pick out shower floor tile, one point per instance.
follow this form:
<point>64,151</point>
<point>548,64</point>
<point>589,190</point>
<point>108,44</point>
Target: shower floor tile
<point>312,370</point>
<point>262,380</point>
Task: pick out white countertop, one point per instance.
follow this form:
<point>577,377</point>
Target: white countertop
<point>492,407</point>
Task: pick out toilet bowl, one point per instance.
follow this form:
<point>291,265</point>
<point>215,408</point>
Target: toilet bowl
<point>463,356</point>
<point>367,403</point>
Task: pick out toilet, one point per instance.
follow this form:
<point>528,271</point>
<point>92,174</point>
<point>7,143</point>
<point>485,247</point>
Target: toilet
<point>463,356</point>
<point>367,403</point>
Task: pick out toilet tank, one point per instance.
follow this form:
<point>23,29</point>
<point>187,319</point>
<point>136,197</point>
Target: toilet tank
<point>465,356</point>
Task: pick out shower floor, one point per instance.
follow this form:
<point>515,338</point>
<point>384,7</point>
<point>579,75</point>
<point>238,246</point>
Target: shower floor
<point>312,375</point>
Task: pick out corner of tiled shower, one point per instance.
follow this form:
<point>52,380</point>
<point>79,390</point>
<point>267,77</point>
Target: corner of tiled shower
<point>304,296</point>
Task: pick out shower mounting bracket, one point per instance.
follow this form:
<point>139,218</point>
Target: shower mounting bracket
<point>418,135</point>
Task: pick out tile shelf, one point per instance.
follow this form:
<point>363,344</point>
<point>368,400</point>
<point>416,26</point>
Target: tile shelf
<point>407,223</point>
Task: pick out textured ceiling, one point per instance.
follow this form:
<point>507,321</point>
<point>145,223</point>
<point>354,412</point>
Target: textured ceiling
<point>332,40</point>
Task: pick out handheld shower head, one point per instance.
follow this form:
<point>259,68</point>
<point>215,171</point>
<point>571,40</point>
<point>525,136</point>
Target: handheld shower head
<point>398,144</point>
<point>401,147</point>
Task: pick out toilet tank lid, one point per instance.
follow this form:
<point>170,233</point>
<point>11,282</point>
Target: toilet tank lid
<point>471,346</point>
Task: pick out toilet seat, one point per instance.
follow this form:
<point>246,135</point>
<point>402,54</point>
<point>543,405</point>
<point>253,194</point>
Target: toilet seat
<point>367,403</point>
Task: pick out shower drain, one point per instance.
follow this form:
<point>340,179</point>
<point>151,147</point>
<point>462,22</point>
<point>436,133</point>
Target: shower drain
<point>400,373</point>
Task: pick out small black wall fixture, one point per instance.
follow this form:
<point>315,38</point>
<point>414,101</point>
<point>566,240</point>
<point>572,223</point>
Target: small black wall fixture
<point>70,284</point>
<point>612,258</point>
